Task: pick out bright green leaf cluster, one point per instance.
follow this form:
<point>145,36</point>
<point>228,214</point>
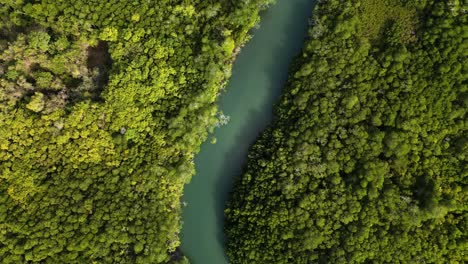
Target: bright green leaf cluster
<point>103,105</point>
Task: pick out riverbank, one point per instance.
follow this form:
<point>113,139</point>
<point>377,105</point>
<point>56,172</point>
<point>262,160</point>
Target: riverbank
<point>259,73</point>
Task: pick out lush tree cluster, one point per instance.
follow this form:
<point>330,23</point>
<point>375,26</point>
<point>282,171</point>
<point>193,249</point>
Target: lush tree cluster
<point>47,73</point>
<point>103,105</point>
<point>367,160</point>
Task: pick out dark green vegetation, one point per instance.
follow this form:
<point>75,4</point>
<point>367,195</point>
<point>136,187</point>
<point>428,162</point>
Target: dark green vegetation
<point>103,105</point>
<point>367,160</point>
<point>256,83</point>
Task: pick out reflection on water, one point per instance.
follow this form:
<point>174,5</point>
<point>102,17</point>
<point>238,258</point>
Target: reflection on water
<point>259,73</point>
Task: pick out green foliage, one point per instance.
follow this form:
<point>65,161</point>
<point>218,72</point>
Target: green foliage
<point>366,161</point>
<point>55,68</point>
<point>379,16</point>
<point>39,40</point>
<point>37,102</point>
<point>103,105</point>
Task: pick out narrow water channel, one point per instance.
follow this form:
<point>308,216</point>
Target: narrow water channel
<point>259,73</point>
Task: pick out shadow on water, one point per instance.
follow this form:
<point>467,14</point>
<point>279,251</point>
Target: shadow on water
<point>259,74</point>
<point>234,162</point>
<point>277,71</point>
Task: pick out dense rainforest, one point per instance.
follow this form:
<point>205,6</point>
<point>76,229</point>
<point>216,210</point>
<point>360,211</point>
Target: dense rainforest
<point>103,105</point>
<point>366,161</point>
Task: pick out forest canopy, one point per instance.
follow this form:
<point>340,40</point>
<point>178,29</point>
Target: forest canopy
<point>103,105</point>
<point>367,159</point>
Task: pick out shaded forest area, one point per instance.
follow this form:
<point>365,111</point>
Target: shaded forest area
<point>103,105</point>
<point>367,159</point>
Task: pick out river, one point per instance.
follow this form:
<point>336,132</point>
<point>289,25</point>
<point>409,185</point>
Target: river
<point>259,73</point>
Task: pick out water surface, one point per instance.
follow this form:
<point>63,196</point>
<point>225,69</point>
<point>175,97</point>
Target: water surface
<point>259,73</point>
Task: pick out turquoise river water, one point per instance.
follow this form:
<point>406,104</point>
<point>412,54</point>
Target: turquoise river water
<point>259,73</point>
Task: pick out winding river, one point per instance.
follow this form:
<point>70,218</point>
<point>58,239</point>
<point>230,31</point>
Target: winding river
<point>259,73</point>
